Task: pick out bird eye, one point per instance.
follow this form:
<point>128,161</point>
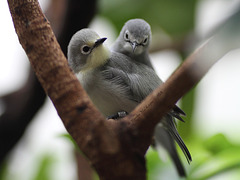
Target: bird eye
<point>145,41</point>
<point>126,36</point>
<point>85,49</point>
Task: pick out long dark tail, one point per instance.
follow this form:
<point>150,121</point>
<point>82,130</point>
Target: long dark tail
<point>164,139</point>
<point>171,127</point>
<point>165,134</point>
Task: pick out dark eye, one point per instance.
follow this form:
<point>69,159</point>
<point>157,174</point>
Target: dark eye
<point>126,36</point>
<point>85,49</point>
<point>145,41</point>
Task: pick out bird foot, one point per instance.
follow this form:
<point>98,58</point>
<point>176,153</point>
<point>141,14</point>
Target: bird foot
<point>119,114</point>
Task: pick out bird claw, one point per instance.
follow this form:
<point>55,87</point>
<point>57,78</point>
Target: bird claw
<point>119,114</point>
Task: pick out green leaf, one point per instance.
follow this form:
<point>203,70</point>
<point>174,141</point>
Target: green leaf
<point>217,143</point>
<point>223,162</point>
<point>45,165</point>
<point>153,164</point>
<point>214,156</point>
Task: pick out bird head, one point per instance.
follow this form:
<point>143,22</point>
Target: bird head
<point>135,36</point>
<point>86,51</point>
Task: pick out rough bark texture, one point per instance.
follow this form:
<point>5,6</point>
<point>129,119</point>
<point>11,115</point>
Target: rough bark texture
<point>21,106</point>
<point>115,148</point>
<point>82,120</point>
<point>84,171</point>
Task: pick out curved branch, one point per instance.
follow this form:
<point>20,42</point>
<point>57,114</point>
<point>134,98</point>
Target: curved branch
<point>83,121</point>
<point>119,144</point>
<point>52,69</point>
<point>21,105</point>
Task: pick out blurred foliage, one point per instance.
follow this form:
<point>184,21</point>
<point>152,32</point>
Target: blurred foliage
<point>69,138</point>
<point>211,157</point>
<point>153,164</point>
<point>41,168</point>
<point>174,16</point>
<point>214,156</point>
<point>3,170</point>
<point>187,104</point>
<point>43,172</point>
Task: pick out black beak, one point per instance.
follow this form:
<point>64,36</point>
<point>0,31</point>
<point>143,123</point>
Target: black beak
<point>134,45</point>
<point>99,42</point>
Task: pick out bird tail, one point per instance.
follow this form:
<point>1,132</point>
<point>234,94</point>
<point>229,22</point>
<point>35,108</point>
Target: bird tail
<point>164,141</point>
<point>171,127</point>
<point>165,134</point>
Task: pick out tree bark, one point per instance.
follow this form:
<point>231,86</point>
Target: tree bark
<point>115,149</point>
<point>84,170</point>
<point>21,106</point>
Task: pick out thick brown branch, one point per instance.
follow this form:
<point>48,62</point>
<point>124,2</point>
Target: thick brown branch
<point>84,170</point>
<point>21,106</point>
<point>50,65</point>
<point>81,119</point>
<point>115,149</point>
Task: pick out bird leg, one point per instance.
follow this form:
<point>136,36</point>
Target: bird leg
<point>118,115</point>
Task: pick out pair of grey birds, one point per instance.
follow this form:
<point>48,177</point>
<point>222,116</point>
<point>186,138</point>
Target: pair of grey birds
<point>118,79</point>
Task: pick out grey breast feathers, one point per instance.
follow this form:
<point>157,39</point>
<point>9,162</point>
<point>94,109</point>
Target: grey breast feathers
<point>135,79</point>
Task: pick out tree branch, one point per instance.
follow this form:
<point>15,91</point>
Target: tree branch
<point>80,117</point>
<point>145,117</point>
<point>115,148</point>
<point>21,105</point>
<point>84,170</point>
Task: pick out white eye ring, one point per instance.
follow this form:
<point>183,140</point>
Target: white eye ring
<point>126,35</point>
<point>85,49</point>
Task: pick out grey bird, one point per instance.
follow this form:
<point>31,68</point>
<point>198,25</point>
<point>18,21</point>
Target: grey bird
<point>133,41</point>
<point>114,82</point>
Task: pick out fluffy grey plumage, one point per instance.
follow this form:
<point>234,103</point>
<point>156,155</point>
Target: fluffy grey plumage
<point>134,40</point>
<point>131,43</point>
<point>116,82</point>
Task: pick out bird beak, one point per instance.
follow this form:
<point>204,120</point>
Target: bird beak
<point>134,45</point>
<point>99,42</point>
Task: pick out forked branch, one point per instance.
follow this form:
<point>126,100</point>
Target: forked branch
<point>115,148</point>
